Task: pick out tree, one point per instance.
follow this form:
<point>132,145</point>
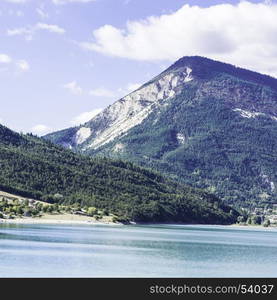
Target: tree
<point>19,210</point>
<point>240,219</point>
<point>256,220</point>
<point>45,208</point>
<point>27,212</point>
<point>106,212</point>
<point>39,206</point>
<point>49,209</point>
<point>91,211</point>
<point>266,223</point>
<point>55,207</point>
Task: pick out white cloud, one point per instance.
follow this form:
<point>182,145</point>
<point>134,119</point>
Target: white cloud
<point>120,92</point>
<point>102,92</point>
<point>40,11</point>
<point>129,88</point>
<point>29,31</point>
<point>23,65</point>
<point>50,28</point>
<point>74,88</point>
<point>40,129</point>
<point>60,2</point>
<point>5,59</point>
<point>244,34</point>
<point>85,116</point>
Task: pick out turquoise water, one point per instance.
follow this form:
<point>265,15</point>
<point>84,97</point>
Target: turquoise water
<point>136,251</point>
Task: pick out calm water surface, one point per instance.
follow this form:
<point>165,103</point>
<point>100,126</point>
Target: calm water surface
<point>136,251</point>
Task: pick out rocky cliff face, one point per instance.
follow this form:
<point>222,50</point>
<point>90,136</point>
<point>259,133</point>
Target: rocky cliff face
<point>135,107</point>
<point>125,113</point>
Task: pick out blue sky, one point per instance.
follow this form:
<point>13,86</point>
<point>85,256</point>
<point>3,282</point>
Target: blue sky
<point>61,61</point>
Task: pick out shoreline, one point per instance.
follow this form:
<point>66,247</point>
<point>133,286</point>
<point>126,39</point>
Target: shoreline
<point>199,224</point>
<point>62,219</point>
<point>68,219</point>
<point>55,222</point>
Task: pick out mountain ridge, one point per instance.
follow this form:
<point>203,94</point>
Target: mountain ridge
<point>206,123</point>
<point>206,64</point>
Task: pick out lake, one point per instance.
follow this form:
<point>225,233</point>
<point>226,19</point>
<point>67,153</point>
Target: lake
<point>28,250</point>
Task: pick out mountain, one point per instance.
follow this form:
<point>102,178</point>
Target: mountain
<point>35,168</point>
<point>205,123</point>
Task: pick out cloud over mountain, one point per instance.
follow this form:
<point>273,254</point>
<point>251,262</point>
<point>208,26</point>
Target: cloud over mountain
<point>226,31</point>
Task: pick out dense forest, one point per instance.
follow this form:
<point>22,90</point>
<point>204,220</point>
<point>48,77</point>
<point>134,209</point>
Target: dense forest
<point>35,168</point>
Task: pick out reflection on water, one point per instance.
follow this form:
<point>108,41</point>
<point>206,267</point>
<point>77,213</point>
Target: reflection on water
<point>136,251</point>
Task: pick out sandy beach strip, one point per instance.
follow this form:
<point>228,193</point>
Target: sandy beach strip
<point>68,219</point>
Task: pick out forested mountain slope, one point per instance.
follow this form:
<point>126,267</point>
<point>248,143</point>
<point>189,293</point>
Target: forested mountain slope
<point>33,167</point>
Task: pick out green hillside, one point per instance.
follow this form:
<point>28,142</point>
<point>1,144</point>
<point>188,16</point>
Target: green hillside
<point>32,167</point>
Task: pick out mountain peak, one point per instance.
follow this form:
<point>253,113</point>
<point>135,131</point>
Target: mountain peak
<point>192,61</point>
<point>198,63</point>
<point>204,68</point>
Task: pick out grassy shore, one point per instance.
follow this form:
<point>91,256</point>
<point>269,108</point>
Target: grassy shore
<point>60,219</point>
<point>253,226</point>
<point>55,217</point>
